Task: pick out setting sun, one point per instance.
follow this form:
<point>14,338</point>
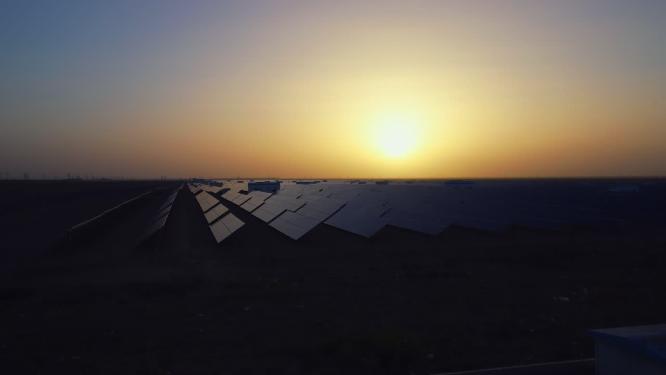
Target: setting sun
<point>397,135</point>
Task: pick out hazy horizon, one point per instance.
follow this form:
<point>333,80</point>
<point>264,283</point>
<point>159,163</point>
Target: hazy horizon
<point>314,89</point>
<point>28,177</point>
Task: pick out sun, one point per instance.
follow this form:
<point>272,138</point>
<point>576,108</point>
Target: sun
<point>397,135</point>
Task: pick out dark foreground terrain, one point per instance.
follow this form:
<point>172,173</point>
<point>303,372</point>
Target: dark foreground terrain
<point>34,214</point>
<point>330,303</point>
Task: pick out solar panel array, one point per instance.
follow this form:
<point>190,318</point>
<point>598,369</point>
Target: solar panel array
<point>429,207</point>
<point>222,223</point>
<point>364,207</point>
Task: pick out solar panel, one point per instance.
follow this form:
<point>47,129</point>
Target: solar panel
<point>252,204</point>
<point>260,195</point>
<point>416,222</point>
<point>172,197</point>
<point>257,198</point>
<point>343,192</point>
<point>157,224</point>
<point>268,212</point>
<point>293,224</point>
<point>364,215</point>
<point>165,211</point>
<point>162,216</point>
<point>206,201</point>
<point>291,191</point>
<point>296,224</point>
<point>194,188</point>
<point>320,208</point>
<point>415,208</point>
<point>473,209</point>
<point>276,205</point>
<point>226,226</point>
<point>169,201</point>
<point>211,189</point>
<point>216,212</point>
<point>164,205</point>
<point>241,198</point>
<point>230,195</point>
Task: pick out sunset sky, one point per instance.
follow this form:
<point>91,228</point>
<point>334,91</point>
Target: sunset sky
<point>374,89</point>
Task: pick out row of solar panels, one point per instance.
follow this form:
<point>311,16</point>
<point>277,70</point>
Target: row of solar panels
<point>160,218</point>
<point>288,211</point>
<point>298,208</point>
<point>364,209</point>
<point>221,222</point>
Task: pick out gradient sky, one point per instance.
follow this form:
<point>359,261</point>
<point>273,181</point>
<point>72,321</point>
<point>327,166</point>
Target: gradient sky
<point>300,88</point>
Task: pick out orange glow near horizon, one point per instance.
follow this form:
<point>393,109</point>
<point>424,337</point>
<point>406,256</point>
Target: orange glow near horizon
<point>318,90</point>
